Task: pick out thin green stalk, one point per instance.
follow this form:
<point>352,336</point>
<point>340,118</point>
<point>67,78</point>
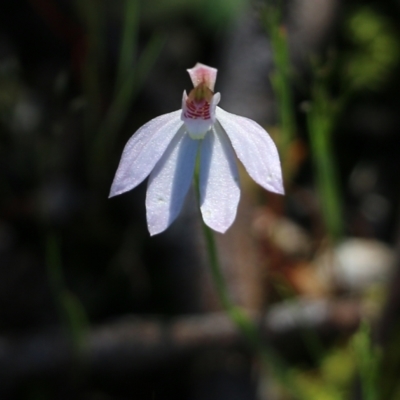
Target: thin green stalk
<point>269,360</point>
<point>246,326</point>
<point>93,13</point>
<point>281,82</point>
<point>128,43</point>
<point>130,75</point>
<point>120,105</point>
<point>321,119</point>
<point>368,362</point>
<point>72,314</point>
<point>218,278</point>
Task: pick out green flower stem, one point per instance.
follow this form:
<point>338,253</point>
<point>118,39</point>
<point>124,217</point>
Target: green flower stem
<point>242,321</point>
<point>268,359</point>
<point>237,315</point>
<point>215,270</point>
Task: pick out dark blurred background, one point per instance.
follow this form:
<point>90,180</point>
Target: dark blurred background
<point>93,308</point>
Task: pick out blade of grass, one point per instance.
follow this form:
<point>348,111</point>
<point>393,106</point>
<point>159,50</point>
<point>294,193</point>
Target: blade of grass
<point>128,43</point>
<point>132,84</point>
<point>92,13</point>
<point>368,362</point>
<point>71,311</point>
<point>321,120</point>
<point>281,81</point>
<point>120,105</point>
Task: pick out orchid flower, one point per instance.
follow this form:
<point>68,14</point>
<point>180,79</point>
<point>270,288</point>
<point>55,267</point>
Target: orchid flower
<point>166,148</point>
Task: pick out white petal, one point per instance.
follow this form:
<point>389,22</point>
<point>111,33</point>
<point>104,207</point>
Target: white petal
<point>143,150</point>
<point>219,181</point>
<point>170,181</point>
<point>255,149</point>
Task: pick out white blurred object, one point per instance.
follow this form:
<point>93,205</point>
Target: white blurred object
<point>356,264</point>
<point>304,313</point>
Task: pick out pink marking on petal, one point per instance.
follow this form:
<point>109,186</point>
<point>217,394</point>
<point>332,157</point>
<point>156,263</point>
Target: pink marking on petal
<point>198,103</point>
<point>201,73</point>
<point>197,110</point>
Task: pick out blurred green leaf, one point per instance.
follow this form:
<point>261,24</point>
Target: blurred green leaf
<point>375,49</point>
<point>368,361</point>
<point>212,14</point>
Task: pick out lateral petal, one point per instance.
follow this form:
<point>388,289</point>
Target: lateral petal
<point>169,182</point>
<point>255,149</point>
<point>219,181</point>
<point>143,150</point>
